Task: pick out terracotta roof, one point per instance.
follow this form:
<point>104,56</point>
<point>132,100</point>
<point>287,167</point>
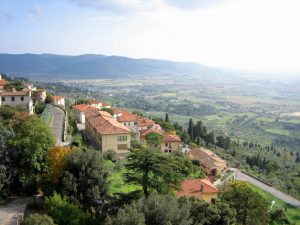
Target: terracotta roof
<point>197,151</point>
<point>82,107</point>
<point>3,82</point>
<point>104,104</point>
<point>143,133</point>
<point>14,93</point>
<point>117,111</point>
<point>196,188</point>
<point>145,122</point>
<point>127,117</point>
<point>171,138</point>
<point>104,123</point>
<point>167,137</point>
<point>58,98</point>
<point>105,114</point>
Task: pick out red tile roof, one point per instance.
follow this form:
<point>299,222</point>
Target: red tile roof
<point>58,98</point>
<point>171,138</point>
<point>167,137</point>
<point>104,123</point>
<point>127,117</point>
<point>196,188</point>
<point>196,152</point>
<point>145,122</point>
<point>83,107</point>
<point>104,104</point>
<point>3,82</point>
<point>143,133</point>
<point>117,111</point>
<point>14,93</point>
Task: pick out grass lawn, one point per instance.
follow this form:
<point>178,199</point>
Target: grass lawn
<point>292,212</point>
<point>116,180</point>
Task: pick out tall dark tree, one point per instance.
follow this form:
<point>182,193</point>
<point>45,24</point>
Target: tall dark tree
<point>198,129</point>
<point>167,118</point>
<point>210,139</point>
<point>191,129</point>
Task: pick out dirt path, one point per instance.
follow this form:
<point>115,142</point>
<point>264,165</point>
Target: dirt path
<point>13,211</point>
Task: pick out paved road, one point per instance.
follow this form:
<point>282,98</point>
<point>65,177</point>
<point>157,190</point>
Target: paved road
<point>242,176</point>
<point>58,123</point>
<point>12,211</point>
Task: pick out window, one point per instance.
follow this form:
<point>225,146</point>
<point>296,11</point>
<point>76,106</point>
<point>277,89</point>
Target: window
<point>166,150</point>
<point>12,99</point>
<point>3,99</point>
<point>122,138</point>
<point>166,144</point>
<point>135,123</point>
<point>22,98</point>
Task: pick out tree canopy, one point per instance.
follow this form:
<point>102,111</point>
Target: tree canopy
<point>154,170</point>
<point>251,208</point>
<point>85,179</point>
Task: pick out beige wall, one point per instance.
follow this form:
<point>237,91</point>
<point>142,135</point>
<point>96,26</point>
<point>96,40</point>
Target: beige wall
<point>171,146</point>
<point>110,142</point>
<point>210,162</point>
<point>209,196</point>
<point>107,142</point>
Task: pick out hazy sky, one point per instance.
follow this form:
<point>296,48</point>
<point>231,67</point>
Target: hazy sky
<point>243,34</point>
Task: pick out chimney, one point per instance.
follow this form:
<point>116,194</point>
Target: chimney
<point>201,188</point>
<point>13,89</point>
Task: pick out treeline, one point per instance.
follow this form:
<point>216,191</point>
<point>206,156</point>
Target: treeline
<point>196,134</point>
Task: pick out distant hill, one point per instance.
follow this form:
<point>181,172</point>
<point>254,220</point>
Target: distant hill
<point>91,66</point>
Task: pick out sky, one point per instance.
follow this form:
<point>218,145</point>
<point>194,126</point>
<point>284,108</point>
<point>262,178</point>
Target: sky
<point>257,35</point>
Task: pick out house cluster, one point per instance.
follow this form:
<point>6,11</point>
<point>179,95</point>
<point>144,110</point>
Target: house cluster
<point>119,127</point>
<point>114,131</point>
<point>26,98</point>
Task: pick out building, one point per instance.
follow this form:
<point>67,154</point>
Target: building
<point>208,159</point>
<point>79,112</point>
<point>171,143</point>
<point>134,122</point>
<point>106,132</point>
<point>17,98</point>
<point>97,104</point>
<point>59,100</point>
<point>39,95</point>
<point>129,120</point>
<point>199,188</point>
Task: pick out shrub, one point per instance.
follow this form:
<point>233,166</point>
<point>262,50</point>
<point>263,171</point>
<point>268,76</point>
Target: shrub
<point>38,219</point>
<point>64,212</point>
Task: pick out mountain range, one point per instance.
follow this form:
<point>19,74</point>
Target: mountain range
<point>91,66</point>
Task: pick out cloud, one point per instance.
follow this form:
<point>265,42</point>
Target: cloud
<point>35,13</point>
<point>129,6</point>
<point>7,17</point>
<point>118,6</point>
<point>192,4</point>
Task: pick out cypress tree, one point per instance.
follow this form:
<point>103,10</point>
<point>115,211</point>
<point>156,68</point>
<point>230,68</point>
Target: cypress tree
<point>191,129</point>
